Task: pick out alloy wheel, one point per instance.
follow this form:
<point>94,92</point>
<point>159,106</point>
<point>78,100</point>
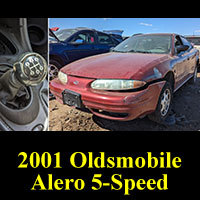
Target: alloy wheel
<point>165,102</point>
<point>53,72</point>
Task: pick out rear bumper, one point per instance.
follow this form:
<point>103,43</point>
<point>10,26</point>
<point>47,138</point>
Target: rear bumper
<point>111,105</point>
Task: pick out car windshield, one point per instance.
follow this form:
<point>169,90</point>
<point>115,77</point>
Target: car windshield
<point>63,34</point>
<point>158,44</point>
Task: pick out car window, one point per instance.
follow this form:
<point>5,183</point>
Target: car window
<point>178,41</point>
<point>196,41</point>
<point>84,37</point>
<point>104,39</point>
<point>80,38</point>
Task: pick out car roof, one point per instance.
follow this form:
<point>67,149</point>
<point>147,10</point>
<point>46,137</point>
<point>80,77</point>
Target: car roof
<point>83,29</point>
<point>141,34</point>
<point>192,36</point>
<point>79,29</point>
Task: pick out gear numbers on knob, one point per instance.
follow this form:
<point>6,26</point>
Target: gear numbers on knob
<point>33,67</point>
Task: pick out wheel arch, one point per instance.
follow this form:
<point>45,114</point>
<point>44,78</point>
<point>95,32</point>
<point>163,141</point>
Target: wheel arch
<point>57,59</point>
<point>169,77</point>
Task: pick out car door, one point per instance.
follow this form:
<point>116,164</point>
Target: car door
<point>80,45</point>
<point>104,43</point>
<point>181,60</point>
<point>191,57</point>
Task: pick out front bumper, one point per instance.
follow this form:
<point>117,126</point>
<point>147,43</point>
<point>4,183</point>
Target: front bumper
<point>121,106</point>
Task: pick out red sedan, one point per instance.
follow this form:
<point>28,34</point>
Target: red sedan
<point>136,79</point>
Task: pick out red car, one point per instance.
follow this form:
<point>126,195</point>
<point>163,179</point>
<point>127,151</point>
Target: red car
<point>136,79</point>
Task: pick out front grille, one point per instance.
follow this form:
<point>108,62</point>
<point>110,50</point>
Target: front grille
<point>111,114</point>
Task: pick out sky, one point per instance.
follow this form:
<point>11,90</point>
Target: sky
<point>183,26</point>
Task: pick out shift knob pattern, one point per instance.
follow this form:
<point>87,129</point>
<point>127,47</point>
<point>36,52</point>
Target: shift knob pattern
<point>30,69</point>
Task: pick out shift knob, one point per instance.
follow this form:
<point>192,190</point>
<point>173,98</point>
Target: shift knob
<point>30,69</point>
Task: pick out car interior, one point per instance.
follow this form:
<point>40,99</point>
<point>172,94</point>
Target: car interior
<point>23,98</point>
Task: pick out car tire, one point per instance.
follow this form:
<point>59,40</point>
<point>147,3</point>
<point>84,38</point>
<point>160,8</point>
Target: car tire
<point>54,67</point>
<point>164,105</point>
<point>194,78</point>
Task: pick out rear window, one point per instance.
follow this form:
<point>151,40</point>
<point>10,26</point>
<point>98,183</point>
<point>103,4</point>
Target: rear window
<point>104,39</point>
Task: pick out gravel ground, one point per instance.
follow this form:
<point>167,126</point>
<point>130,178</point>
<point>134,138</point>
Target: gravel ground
<point>186,107</point>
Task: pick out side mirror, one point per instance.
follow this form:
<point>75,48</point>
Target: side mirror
<point>182,48</point>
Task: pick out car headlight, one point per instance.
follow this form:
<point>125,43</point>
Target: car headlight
<point>62,77</point>
<point>106,84</point>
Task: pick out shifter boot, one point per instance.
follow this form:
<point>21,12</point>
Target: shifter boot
<point>9,86</point>
<point>30,70</point>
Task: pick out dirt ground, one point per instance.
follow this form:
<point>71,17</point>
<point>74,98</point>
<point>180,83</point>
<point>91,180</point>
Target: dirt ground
<point>186,106</point>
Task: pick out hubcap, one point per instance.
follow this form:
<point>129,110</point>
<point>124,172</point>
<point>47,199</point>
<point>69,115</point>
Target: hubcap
<point>165,102</point>
<point>53,72</point>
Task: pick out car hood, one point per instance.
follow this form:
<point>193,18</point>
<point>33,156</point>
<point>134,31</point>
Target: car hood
<point>115,65</point>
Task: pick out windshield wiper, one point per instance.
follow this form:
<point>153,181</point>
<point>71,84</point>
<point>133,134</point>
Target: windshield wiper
<point>131,51</point>
<point>134,51</point>
<point>118,51</point>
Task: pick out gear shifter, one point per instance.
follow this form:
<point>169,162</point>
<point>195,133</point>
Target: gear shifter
<point>30,70</point>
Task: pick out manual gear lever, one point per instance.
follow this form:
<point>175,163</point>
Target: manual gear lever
<point>30,70</point>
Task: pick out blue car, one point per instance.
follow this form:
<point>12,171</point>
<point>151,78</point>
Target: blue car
<point>68,45</point>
